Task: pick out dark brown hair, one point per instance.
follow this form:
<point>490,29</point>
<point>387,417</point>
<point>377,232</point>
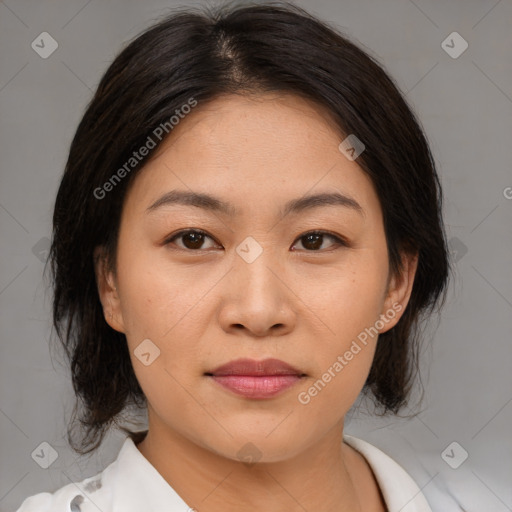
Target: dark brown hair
<point>203,54</point>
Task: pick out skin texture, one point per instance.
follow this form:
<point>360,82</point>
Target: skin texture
<point>299,302</point>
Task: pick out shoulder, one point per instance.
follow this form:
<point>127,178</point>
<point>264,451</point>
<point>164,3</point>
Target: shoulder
<point>73,497</point>
<point>90,494</point>
<point>129,484</point>
<point>399,490</point>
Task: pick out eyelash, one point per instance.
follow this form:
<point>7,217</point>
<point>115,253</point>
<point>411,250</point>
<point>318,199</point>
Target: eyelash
<point>338,240</point>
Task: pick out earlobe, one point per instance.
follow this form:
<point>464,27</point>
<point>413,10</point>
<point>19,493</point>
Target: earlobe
<point>107,291</point>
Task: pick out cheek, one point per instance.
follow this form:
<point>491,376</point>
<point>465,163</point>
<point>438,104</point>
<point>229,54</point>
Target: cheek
<point>344,358</point>
<point>155,296</point>
<point>350,311</point>
<point>333,391</point>
<point>166,308</point>
<point>350,298</point>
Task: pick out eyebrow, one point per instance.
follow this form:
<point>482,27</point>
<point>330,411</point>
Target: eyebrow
<point>295,206</point>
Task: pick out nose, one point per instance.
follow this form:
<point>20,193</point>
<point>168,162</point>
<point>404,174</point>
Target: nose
<point>257,298</point>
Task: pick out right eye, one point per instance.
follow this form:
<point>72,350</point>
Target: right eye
<point>192,239</point>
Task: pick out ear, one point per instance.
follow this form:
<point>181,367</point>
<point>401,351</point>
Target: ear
<point>107,290</point>
<point>399,291</point>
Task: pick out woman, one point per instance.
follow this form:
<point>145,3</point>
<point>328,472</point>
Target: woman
<point>246,235</point>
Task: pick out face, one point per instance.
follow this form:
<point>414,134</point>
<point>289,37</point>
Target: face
<point>200,286</point>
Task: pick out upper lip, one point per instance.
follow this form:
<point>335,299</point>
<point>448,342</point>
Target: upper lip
<point>257,368</point>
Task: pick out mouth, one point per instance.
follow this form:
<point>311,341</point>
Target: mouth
<point>256,379</point>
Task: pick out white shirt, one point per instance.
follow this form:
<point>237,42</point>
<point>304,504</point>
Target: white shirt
<point>132,484</point>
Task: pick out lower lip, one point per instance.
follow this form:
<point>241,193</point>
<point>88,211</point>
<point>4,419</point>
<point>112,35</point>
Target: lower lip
<point>257,387</point>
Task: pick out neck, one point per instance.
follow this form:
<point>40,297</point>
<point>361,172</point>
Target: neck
<point>329,476</point>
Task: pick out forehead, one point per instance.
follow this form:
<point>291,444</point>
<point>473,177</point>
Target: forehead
<point>255,150</point>
<point>255,120</point>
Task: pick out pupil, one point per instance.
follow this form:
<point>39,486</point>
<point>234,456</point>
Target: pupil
<point>315,238</point>
<point>196,239</point>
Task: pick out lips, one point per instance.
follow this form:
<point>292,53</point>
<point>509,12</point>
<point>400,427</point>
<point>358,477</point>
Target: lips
<point>251,367</point>
<point>256,379</point>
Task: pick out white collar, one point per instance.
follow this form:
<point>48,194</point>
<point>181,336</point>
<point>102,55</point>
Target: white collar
<point>148,489</point>
<point>131,484</point>
<point>136,484</point>
<point>399,490</point>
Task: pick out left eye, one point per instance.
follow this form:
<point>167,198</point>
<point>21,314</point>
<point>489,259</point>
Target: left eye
<point>314,240</point>
<point>193,239</point>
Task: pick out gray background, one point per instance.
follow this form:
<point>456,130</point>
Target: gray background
<point>465,106</point>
